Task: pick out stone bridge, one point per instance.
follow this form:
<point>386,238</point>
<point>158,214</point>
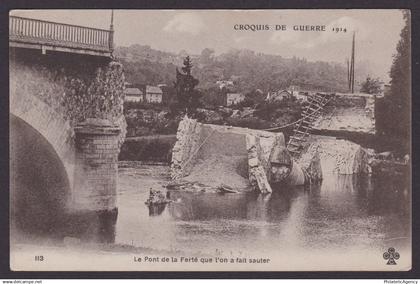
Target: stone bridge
<point>66,121</point>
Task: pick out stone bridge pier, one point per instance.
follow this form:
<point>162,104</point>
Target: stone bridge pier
<point>96,172</point>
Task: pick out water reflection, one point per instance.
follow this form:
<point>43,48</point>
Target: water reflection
<point>206,206</point>
<point>337,195</point>
<point>156,209</point>
<point>91,226</point>
<point>246,206</point>
<point>84,226</point>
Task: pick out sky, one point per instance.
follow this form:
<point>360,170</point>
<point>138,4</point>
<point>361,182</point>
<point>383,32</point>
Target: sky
<point>377,31</point>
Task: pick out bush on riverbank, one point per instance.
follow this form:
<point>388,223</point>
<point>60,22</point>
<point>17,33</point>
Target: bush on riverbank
<point>157,148</point>
<point>144,120</point>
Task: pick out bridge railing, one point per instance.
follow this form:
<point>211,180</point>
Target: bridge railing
<point>57,34</point>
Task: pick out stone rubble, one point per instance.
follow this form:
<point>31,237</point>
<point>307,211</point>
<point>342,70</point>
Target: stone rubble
<point>258,163</point>
<point>338,156</point>
<point>187,144</point>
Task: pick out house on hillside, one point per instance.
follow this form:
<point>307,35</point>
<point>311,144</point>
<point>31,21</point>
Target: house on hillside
<point>278,96</point>
<point>153,94</point>
<point>133,95</point>
<point>294,90</point>
<point>224,84</point>
<point>234,98</point>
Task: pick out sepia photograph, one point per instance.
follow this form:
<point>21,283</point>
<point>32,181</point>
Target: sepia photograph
<point>210,140</point>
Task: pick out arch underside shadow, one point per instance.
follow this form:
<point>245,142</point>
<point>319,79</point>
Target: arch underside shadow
<point>48,123</point>
<point>39,184</point>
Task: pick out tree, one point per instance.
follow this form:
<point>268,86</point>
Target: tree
<point>253,98</point>
<point>206,57</point>
<point>393,111</point>
<point>188,97</point>
<point>212,97</point>
<point>371,86</point>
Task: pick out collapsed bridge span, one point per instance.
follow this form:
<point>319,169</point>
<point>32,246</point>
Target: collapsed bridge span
<point>218,154</point>
<point>209,156</point>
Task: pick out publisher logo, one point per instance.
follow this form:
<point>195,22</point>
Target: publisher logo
<point>391,255</point>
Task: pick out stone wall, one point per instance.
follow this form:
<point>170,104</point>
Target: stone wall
<point>77,87</point>
<point>348,100</point>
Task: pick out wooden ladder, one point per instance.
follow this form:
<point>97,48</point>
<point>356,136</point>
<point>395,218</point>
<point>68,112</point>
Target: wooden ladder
<point>303,128</point>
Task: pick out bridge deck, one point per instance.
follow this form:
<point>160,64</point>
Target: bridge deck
<point>45,35</point>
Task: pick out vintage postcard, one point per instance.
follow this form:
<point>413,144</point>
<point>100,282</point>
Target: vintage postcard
<point>210,140</point>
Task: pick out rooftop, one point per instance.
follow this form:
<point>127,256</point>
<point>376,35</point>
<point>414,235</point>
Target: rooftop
<point>153,89</point>
<point>133,91</point>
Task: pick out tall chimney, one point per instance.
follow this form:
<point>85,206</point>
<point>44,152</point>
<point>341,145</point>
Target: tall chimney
<point>348,72</point>
<point>352,64</point>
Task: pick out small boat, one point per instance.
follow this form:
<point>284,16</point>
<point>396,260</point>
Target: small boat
<point>157,197</point>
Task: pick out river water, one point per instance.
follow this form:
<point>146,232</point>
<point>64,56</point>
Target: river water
<point>343,213</point>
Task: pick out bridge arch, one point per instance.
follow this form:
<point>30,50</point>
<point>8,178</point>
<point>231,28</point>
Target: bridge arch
<point>49,124</point>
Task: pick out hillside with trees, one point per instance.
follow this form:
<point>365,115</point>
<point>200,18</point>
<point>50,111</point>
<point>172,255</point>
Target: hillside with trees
<point>247,69</point>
